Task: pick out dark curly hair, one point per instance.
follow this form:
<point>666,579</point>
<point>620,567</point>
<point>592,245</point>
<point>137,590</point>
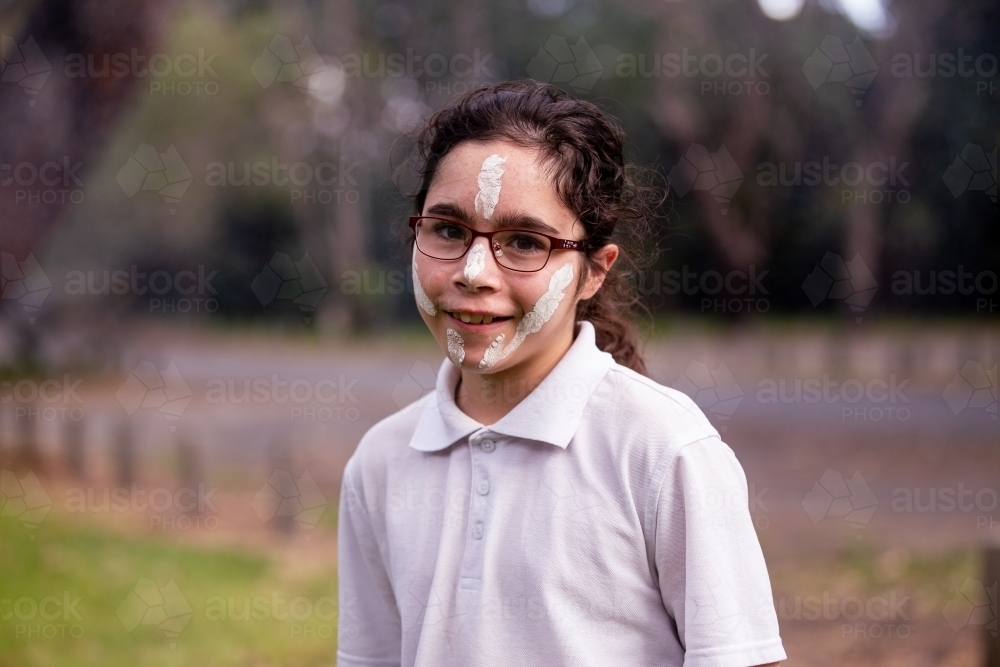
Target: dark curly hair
<point>615,203</point>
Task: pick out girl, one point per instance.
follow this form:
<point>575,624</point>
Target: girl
<point>547,504</point>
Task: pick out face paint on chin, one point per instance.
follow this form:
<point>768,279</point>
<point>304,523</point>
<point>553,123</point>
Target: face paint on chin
<point>531,323</point>
<point>418,290</point>
<point>456,347</point>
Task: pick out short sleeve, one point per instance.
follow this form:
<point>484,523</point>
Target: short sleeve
<point>369,633</point>
<point>708,561</point>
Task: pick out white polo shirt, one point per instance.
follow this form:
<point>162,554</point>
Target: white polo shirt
<point>600,522</point>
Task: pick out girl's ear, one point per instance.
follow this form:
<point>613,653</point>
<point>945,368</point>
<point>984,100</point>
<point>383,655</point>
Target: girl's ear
<point>605,259</point>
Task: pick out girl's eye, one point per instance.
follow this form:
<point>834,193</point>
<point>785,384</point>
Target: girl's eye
<point>449,231</point>
<point>525,243</point>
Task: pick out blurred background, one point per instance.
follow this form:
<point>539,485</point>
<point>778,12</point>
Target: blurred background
<point>206,303</point>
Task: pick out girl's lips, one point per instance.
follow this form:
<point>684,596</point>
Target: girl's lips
<point>469,326</point>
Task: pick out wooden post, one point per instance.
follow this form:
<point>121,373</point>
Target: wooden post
<point>5,455</point>
<point>125,453</point>
<point>73,432</point>
<point>991,631</point>
<point>28,455</point>
<point>189,468</point>
<point>281,459</point>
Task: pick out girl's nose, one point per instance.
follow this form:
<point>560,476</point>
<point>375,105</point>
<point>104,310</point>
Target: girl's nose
<point>480,268</point>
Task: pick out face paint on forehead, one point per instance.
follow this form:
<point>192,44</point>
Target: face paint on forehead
<point>475,261</point>
<point>418,290</point>
<point>543,311</point>
<point>456,347</point>
<point>490,175</point>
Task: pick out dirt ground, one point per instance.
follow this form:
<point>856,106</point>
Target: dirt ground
<point>854,586</point>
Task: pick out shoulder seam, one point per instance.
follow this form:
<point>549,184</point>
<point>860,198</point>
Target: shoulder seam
<point>651,384</point>
<point>653,499</point>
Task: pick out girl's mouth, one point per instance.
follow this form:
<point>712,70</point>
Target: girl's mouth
<point>476,321</point>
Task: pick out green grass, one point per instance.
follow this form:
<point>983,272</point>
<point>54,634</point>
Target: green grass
<point>100,568</point>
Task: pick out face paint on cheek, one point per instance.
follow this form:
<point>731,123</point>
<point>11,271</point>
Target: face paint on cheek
<point>456,347</point>
<point>490,175</point>
<point>418,291</point>
<point>475,261</point>
<point>543,311</point>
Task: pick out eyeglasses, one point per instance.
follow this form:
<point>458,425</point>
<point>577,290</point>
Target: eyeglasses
<point>514,249</point>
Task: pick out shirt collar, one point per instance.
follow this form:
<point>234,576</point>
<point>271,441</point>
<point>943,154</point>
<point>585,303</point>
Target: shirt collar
<point>551,413</point>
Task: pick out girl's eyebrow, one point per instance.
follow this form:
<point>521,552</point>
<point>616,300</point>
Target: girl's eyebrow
<point>501,221</point>
<point>524,221</point>
<point>450,210</point>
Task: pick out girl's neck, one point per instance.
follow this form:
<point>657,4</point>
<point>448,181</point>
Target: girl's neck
<point>488,397</point>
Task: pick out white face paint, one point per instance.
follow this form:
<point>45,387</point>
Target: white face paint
<point>456,347</point>
<point>418,290</point>
<point>492,354</point>
<point>490,175</point>
<point>543,311</point>
<point>475,261</point>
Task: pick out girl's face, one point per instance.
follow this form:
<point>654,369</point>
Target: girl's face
<point>489,186</point>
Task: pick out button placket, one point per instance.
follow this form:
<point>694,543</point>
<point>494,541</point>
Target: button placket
<point>472,565</point>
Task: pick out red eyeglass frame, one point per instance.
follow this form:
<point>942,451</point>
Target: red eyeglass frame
<point>557,243</point>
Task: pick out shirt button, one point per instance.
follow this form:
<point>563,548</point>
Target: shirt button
<point>477,530</point>
<point>488,446</point>
<point>483,487</point>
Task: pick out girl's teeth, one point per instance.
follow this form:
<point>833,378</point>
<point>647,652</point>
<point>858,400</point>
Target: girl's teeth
<point>471,318</point>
